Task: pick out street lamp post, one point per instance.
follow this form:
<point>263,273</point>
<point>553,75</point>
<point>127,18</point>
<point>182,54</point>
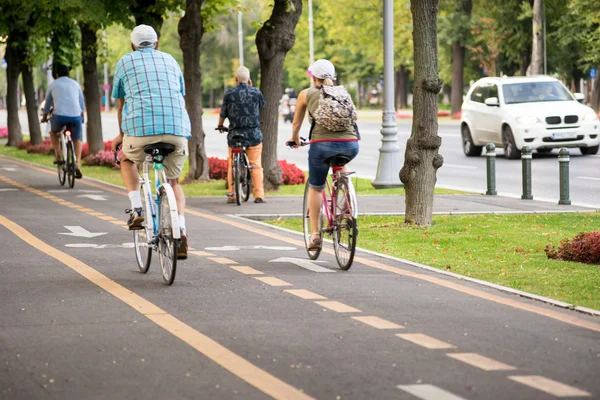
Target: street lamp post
<point>240,38</point>
<point>311,42</point>
<point>388,168</point>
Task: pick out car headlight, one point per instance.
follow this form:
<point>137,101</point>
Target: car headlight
<point>590,116</point>
<point>527,120</point>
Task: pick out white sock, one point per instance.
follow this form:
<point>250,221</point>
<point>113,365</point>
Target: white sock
<point>136,199</point>
<point>181,223</point>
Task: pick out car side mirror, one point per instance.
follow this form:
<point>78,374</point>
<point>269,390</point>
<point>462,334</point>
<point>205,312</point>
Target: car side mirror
<point>492,102</point>
<point>579,97</point>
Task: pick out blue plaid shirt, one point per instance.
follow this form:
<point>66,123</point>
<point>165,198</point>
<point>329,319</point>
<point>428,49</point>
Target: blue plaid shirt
<point>151,83</point>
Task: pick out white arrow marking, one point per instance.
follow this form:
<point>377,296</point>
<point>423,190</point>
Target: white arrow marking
<point>8,190</point>
<point>259,247</point>
<point>97,197</point>
<point>81,232</point>
<point>8,168</point>
<point>100,246</point>
<point>58,191</point>
<point>310,265</point>
<point>87,191</point>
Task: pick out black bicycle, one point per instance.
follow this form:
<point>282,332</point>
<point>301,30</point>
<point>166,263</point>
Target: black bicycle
<point>240,169</point>
<point>66,161</point>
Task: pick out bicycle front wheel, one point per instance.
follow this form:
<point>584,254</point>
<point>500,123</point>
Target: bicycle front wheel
<point>345,229</point>
<point>245,180</point>
<point>236,178</point>
<point>167,245</point>
<point>312,254</point>
<point>71,164</point>
<point>143,250</point>
<point>61,166</point>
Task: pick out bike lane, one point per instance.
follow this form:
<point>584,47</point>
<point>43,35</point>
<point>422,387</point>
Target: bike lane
<point>320,347</point>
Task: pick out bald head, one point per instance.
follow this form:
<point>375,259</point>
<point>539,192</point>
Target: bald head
<point>242,75</point>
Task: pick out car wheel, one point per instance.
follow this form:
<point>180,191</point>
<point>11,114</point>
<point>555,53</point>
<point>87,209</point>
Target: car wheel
<point>544,150</point>
<point>586,151</point>
<point>468,147</point>
<point>508,141</point>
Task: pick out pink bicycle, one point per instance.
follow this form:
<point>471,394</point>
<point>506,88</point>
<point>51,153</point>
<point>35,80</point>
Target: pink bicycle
<point>339,213</point>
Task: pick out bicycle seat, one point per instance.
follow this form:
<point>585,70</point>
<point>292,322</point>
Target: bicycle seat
<point>164,149</point>
<point>237,137</point>
<point>337,161</point>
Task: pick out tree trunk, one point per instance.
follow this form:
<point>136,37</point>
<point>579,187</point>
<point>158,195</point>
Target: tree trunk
<point>595,104</point>
<point>421,157</point>
<point>13,69</point>
<point>273,40</point>
<point>458,67</point>
<point>91,89</point>
<point>35,133</point>
<point>191,30</point>
<point>525,60</point>
<point>211,98</point>
<point>402,88</point>
<point>537,48</point>
<point>145,12</point>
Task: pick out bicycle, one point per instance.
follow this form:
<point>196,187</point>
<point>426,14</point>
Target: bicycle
<point>160,231</point>
<point>339,209</point>
<point>65,166</point>
<point>240,170</point>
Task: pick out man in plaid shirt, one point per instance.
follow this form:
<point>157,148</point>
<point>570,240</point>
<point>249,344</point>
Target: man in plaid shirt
<point>149,89</point>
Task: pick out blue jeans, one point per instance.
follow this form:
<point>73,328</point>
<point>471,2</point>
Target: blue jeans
<point>319,152</point>
<point>58,122</point>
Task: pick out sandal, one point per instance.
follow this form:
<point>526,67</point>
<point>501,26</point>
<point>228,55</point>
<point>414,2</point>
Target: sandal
<point>315,242</point>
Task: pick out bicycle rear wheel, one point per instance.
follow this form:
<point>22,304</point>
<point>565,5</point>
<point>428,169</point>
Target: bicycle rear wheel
<point>245,180</point>
<point>236,178</point>
<point>61,166</point>
<point>71,164</point>
<point>345,225</point>
<point>312,254</point>
<point>167,245</point>
<point>143,251</point>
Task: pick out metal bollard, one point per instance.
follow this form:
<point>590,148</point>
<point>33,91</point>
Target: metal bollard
<point>563,164</point>
<point>490,154</point>
<point>526,160</point>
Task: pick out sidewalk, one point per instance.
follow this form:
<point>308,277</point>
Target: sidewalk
<point>287,206</point>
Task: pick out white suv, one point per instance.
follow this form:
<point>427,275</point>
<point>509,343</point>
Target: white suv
<point>537,111</point>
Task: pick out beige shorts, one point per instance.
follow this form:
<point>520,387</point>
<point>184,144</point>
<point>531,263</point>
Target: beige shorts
<point>133,150</point>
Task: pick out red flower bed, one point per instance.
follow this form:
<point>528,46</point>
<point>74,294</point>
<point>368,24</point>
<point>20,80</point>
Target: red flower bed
<point>291,174</point>
<point>104,158</point>
<point>217,168</point>
<point>45,148</point>
<point>584,248</point>
<point>85,148</point>
<point>3,131</point>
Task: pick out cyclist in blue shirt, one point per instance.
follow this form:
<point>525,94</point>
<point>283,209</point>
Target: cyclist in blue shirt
<point>66,100</point>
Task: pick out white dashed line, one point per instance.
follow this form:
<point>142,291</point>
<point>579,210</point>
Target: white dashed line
<point>429,392</point>
<point>549,386</point>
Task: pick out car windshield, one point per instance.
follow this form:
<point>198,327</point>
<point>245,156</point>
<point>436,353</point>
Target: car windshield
<point>531,92</point>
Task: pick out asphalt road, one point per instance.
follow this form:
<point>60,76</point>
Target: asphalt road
<point>458,172</point>
<point>245,320</point>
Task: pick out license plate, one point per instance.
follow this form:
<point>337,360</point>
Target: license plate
<point>564,135</point>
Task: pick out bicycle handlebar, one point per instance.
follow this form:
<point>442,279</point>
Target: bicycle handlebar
<point>303,142</point>
<point>222,129</point>
<point>117,161</point>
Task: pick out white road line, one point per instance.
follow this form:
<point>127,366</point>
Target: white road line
<point>549,386</point>
<point>426,341</point>
<point>481,362</point>
<point>8,190</point>
<point>587,178</point>
<point>429,392</point>
<point>459,166</point>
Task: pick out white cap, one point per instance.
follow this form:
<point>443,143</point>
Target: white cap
<point>143,36</point>
<point>322,69</point>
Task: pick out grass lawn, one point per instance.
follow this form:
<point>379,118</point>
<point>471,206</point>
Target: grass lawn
<point>212,188</point>
<point>503,249</point>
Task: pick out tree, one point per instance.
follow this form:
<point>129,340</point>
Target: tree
<point>273,40</point>
<point>537,51</point>
<point>421,157</point>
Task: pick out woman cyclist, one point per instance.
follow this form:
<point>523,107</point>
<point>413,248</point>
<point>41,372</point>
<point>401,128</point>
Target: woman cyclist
<point>323,145</point>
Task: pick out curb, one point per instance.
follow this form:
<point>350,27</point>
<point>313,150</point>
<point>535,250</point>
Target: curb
<point>547,300</point>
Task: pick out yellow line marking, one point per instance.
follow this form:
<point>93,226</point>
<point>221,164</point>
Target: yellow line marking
<point>378,323</point>
<point>87,210</point>
<point>222,260</point>
<point>108,218</point>
<point>269,280</point>
<point>425,341</point>
<point>337,306</point>
<point>305,294</point>
<point>481,362</point>
<point>559,316</point>
<point>96,214</point>
<point>120,223</point>
<point>201,253</point>
<point>549,386</point>
<point>227,359</point>
<point>247,270</point>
